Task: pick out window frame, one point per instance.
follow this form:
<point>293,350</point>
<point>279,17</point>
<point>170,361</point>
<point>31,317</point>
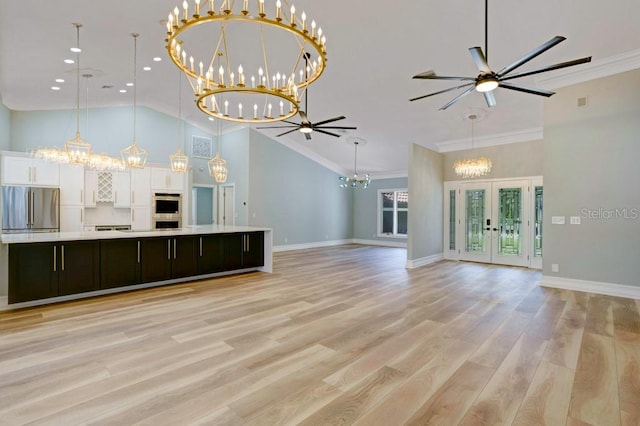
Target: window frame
<point>395,209</point>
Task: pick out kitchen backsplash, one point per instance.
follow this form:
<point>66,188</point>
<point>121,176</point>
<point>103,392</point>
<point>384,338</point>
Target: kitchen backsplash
<point>105,214</point>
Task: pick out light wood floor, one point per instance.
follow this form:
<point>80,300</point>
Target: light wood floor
<point>342,335</point>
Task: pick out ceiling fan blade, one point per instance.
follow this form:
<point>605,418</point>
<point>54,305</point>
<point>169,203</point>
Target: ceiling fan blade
<point>529,56</point>
<point>430,75</point>
<point>457,98</point>
<point>490,98</point>
<point>286,133</point>
<point>279,127</point>
<point>442,91</point>
<point>549,68</point>
<point>307,136</point>
<point>326,133</point>
<point>524,89</point>
<point>336,127</point>
<point>289,122</point>
<point>479,59</point>
<point>331,120</point>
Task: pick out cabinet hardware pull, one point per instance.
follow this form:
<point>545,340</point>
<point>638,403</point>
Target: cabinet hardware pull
<point>133,215</point>
<point>35,176</point>
<point>174,248</point>
<point>62,257</point>
<point>200,246</point>
<point>81,215</point>
<point>55,259</point>
<point>169,249</point>
<point>138,251</point>
<point>133,197</point>
<point>81,197</point>
<point>94,196</point>
<point>115,194</point>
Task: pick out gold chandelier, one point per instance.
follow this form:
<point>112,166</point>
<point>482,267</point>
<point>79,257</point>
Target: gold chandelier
<point>472,167</point>
<point>133,156</point>
<point>178,160</point>
<point>259,86</point>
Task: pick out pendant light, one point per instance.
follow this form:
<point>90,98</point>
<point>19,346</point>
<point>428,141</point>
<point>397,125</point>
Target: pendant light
<point>472,167</point>
<point>178,160</point>
<point>355,180</point>
<point>217,165</point>
<point>77,149</point>
<point>133,156</point>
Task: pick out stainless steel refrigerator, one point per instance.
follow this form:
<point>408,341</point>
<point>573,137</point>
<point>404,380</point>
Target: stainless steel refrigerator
<point>30,209</point>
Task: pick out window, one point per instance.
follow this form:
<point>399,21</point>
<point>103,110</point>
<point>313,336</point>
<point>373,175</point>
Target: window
<point>393,212</point>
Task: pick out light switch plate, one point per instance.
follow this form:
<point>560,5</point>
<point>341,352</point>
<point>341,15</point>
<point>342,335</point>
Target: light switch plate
<point>557,220</point>
<point>575,220</point>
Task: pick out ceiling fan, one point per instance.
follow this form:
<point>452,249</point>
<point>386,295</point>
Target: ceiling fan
<point>307,127</point>
<point>489,80</point>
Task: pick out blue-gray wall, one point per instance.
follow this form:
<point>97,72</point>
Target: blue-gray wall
<point>5,127</point>
<point>300,199</point>
<point>591,157</point>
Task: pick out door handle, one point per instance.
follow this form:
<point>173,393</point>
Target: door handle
<point>174,248</point>
<point>81,196</point>
<point>62,257</point>
<point>55,259</point>
<point>33,206</point>
<point>138,251</point>
<point>200,246</point>
<point>168,249</point>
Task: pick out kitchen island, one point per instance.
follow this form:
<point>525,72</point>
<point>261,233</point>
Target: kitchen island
<point>39,268</point>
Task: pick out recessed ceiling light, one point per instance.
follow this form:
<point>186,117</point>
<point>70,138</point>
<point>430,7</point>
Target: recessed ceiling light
<point>123,91</point>
<point>157,59</point>
<point>59,80</point>
<point>129,84</point>
<point>69,61</point>
<point>76,50</point>
<point>147,68</point>
<point>55,88</point>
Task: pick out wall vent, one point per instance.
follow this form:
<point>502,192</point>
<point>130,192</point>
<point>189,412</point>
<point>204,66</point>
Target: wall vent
<point>582,101</point>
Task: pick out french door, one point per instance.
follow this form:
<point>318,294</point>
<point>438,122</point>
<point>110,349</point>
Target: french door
<point>491,222</point>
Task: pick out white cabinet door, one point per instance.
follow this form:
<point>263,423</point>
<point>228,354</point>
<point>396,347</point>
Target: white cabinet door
<point>90,188</point>
<point>141,187</point>
<point>121,182</point>
<point>71,218</point>
<point>141,218</point>
<point>163,179</point>
<point>71,185</point>
<point>28,171</point>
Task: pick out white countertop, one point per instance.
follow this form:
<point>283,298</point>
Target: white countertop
<point>42,237</point>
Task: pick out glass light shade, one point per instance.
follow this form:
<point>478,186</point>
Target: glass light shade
<point>306,129</point>
<point>354,181</point>
<point>133,156</point>
<point>179,162</point>
<point>54,155</point>
<point>103,162</point>
<point>218,168</point>
<point>78,150</point>
<point>487,84</point>
<point>471,168</point>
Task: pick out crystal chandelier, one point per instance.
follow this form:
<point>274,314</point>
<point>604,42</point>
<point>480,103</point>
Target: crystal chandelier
<point>178,160</point>
<point>259,86</point>
<point>355,180</point>
<point>217,165</point>
<point>472,167</point>
<point>133,156</point>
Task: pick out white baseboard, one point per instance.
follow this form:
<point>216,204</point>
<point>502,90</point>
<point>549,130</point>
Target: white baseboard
<point>384,243</point>
<point>607,289</point>
<point>411,264</point>
<point>315,244</point>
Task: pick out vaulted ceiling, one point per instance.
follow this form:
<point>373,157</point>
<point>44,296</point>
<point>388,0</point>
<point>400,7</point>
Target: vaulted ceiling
<point>374,48</point>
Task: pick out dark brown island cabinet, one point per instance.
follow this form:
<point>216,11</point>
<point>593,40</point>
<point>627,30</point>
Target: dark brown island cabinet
<point>45,270</point>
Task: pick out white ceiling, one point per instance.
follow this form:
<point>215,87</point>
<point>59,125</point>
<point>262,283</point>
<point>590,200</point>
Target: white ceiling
<point>374,48</point>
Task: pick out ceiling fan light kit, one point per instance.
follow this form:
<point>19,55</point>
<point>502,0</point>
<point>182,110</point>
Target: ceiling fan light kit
<point>488,80</point>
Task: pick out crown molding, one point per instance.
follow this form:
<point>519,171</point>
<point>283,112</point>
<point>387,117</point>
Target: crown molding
<point>490,140</point>
<point>595,69</point>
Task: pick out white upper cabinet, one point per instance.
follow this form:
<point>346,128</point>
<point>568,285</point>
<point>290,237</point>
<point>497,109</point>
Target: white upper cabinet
<point>29,171</point>
<point>121,187</point>
<point>71,185</point>
<point>141,187</point>
<point>163,179</point>
<point>90,188</point>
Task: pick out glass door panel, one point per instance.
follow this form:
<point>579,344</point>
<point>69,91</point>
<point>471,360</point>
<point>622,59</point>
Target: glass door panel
<point>476,218</point>
<point>510,223</point>
<point>536,223</point>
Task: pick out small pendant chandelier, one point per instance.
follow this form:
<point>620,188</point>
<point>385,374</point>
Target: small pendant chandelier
<point>77,149</point>
<point>355,180</point>
<point>133,156</point>
<point>178,160</point>
<point>472,167</point>
<point>217,165</point>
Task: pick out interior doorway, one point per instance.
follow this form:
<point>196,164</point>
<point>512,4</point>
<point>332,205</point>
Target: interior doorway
<point>203,205</point>
<point>497,221</point>
<point>227,211</point>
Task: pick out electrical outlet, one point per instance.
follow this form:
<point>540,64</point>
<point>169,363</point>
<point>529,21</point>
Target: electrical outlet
<point>555,267</point>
